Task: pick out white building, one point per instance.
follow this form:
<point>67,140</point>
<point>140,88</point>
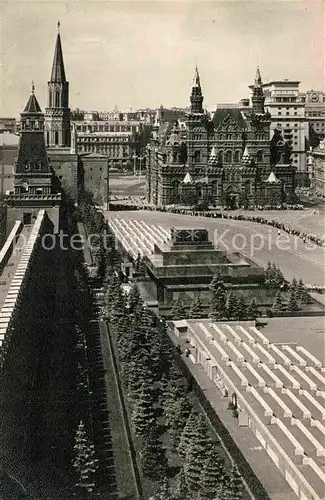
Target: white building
<point>286,106</point>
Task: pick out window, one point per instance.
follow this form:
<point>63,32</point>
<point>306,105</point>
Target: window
<point>228,156</point>
<point>197,156</point>
<point>56,137</point>
<point>259,156</point>
<point>237,156</point>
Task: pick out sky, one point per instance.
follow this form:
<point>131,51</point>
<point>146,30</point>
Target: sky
<point>138,54</point>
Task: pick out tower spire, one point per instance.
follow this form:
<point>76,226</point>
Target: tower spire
<point>58,112</point>
<point>258,95</point>
<point>58,73</point>
<point>258,79</point>
<point>196,95</point>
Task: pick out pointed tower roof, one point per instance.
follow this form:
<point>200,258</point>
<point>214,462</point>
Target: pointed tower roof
<point>213,159</point>
<point>258,95</point>
<point>196,79</point>
<point>196,97</point>
<point>58,73</point>
<point>31,156</point>
<point>272,179</point>
<point>258,79</point>
<point>32,105</point>
<point>188,179</point>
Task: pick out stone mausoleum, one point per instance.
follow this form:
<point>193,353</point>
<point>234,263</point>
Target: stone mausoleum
<point>182,262</point>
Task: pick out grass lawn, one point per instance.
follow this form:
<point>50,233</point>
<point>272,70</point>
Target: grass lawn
<point>123,466</point>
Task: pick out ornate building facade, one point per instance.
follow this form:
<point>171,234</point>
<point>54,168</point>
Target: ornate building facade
<point>225,159</point>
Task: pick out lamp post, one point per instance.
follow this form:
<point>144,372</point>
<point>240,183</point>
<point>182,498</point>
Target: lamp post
<point>134,164</point>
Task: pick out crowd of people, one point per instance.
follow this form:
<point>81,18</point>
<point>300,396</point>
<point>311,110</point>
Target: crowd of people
<point>306,237</point>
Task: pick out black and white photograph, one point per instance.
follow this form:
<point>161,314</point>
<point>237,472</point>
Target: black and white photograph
<point>162,250</point>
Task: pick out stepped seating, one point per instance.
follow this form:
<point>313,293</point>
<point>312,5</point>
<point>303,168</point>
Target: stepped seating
<point>281,385</point>
<point>138,237</point>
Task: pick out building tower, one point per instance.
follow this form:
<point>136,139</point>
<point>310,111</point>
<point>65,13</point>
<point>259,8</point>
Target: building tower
<point>33,188</point>
<point>196,97</point>
<point>197,136</point>
<point>57,114</point>
<point>258,95</point>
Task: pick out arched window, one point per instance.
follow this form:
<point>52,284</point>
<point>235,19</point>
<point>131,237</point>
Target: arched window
<point>228,156</point>
<point>259,156</point>
<point>220,156</point>
<point>56,137</point>
<point>57,99</point>
<point>197,156</point>
<point>174,157</point>
<point>47,138</point>
<point>237,156</point>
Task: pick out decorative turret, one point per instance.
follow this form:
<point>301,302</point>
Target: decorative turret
<point>247,159</point>
<point>258,96</point>
<point>196,95</point>
<point>213,159</point>
<point>58,112</point>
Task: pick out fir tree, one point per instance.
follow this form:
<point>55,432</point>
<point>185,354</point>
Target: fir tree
<point>187,434</point>
<point>199,447</point>
<point>178,310</point>
<point>217,298</point>
<point>178,416</point>
<point>85,462</point>
<point>134,299</point>
<point>278,303</point>
<point>279,278</point>
<point>294,284</point>
<point>235,488</point>
<point>242,308</point>
<point>252,310</point>
<point>181,491</point>
<point>213,476</point>
<point>164,492</point>
<point>196,310</point>
<point>268,272</point>
<point>293,304</point>
<point>232,306</point>
<point>152,457</point>
<point>144,414</point>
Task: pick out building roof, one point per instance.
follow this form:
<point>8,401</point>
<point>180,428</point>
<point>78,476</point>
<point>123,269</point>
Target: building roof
<point>196,79</point>
<point>7,139</point>
<point>58,73</point>
<point>224,115</point>
<point>32,105</point>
